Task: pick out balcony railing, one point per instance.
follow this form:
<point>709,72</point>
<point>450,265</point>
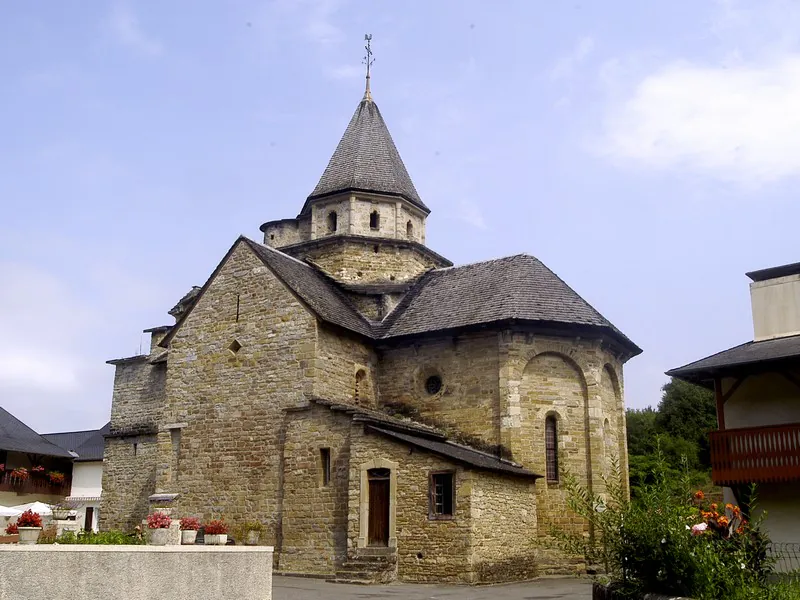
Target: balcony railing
<point>32,485</point>
<point>756,454</point>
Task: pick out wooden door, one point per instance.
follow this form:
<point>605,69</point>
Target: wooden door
<point>378,512</point>
<point>87,522</point>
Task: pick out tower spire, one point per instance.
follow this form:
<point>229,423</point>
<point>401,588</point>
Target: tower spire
<point>368,60</point>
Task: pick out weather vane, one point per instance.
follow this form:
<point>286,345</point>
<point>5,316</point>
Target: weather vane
<point>368,60</point>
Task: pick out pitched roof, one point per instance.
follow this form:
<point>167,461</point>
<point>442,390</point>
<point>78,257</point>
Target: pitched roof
<point>88,445</point>
<point>366,159</point>
<point>422,436</point>
<point>314,288</point>
<point>741,356</point>
<point>519,288</point>
<point>18,437</point>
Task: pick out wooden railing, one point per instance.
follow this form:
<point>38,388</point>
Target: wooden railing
<point>756,454</point>
<point>32,485</point>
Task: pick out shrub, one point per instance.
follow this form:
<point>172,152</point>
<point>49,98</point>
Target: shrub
<point>104,538</point>
<point>158,520</point>
<point>253,526</point>
<point>11,529</point>
<point>29,519</point>
<point>48,535</point>
<point>190,524</point>
<point>668,541</point>
<point>216,527</point>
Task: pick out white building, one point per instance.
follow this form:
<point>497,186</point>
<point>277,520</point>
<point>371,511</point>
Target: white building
<point>87,449</point>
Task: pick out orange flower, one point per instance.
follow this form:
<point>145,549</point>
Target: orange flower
<point>723,521</point>
<point>737,511</point>
<point>729,506</point>
<point>714,506</point>
<point>740,530</point>
<point>699,495</point>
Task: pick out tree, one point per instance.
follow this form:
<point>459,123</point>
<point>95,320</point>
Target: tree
<point>688,412</point>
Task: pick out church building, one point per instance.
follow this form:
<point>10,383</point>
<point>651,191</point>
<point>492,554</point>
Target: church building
<point>382,413</point>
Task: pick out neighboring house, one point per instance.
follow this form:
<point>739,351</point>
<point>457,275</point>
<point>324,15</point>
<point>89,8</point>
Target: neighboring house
<point>381,412</point>
<point>87,448</point>
<point>757,388</point>
<point>22,448</point>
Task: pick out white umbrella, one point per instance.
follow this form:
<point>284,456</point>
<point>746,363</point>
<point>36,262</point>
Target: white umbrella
<point>37,507</point>
<point>6,511</point>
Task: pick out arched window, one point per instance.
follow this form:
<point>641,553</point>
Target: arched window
<point>551,447</point>
<point>374,220</point>
<point>332,221</point>
<point>359,392</point>
<point>409,230</point>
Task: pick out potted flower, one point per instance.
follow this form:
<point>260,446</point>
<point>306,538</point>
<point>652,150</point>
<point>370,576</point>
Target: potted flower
<point>189,527</point>
<point>29,525</point>
<point>56,477</point>
<point>19,475</point>
<point>158,523</point>
<point>12,529</point>
<point>216,533</point>
<point>61,510</point>
<point>37,470</point>
<point>252,532</point>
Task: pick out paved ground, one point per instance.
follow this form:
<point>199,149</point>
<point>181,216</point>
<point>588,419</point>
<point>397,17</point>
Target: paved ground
<point>301,588</point>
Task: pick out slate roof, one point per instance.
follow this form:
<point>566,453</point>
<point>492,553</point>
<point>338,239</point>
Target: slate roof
<point>88,445</point>
<point>18,437</point>
<point>739,357</point>
<point>366,159</point>
<point>428,438</point>
<point>519,288</point>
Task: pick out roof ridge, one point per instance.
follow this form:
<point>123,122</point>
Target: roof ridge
<point>715,354</point>
<point>488,260</point>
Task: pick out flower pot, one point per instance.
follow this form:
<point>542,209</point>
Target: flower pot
<point>188,536</point>
<point>167,510</point>
<point>252,538</point>
<point>159,537</point>
<point>216,539</point>
<point>29,535</point>
<point>60,515</point>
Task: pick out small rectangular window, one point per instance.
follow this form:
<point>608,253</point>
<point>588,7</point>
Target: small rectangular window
<point>442,493</point>
<point>325,456</point>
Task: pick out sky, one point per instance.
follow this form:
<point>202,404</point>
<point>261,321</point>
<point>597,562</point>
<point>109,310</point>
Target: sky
<point>647,152</point>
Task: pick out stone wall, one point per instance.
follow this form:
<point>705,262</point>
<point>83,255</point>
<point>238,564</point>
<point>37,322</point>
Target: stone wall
<point>504,529</point>
<point>347,368</point>
<point>357,261</point>
<point>314,515</point>
<point>131,455</point>
<point>427,550</point>
<point>229,404</point>
<point>468,366</point>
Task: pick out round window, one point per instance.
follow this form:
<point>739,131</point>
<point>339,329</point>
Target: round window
<point>433,384</point>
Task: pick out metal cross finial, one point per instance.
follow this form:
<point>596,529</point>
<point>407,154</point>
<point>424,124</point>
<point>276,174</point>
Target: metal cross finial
<point>368,60</point>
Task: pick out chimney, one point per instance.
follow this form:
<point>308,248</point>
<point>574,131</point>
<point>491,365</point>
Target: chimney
<point>775,299</point>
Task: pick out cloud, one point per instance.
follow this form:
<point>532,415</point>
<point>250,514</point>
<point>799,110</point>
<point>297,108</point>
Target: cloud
<point>738,123</point>
<point>124,26</point>
<point>566,65</point>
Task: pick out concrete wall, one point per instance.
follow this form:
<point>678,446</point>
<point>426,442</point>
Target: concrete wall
<point>135,572</point>
<point>780,502</point>
<point>87,478</point>
<point>776,307</point>
<point>761,400</point>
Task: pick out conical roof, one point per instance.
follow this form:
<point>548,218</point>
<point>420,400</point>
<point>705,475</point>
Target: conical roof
<point>367,160</point>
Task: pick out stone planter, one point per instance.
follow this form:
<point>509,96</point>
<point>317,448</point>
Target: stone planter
<point>60,515</point>
<point>166,510</point>
<point>159,537</point>
<point>29,535</point>
<point>188,537</point>
<point>252,538</point>
<point>216,539</point>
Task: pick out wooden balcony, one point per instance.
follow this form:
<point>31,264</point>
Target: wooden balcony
<point>32,485</point>
<point>756,454</point>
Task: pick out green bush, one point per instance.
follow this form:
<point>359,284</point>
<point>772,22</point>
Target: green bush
<point>105,538</point>
<point>649,545</point>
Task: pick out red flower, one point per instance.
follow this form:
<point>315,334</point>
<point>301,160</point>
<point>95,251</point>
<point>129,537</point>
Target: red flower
<point>158,520</point>
<point>12,529</point>
<point>216,527</point>
<point>190,524</point>
<point>37,469</point>
<point>699,495</point>
<point>29,519</point>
